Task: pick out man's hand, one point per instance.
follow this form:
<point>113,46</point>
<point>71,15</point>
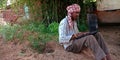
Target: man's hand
<point>74,36</point>
<point>81,33</point>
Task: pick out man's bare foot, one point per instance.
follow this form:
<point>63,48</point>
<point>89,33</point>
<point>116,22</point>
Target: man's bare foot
<point>104,58</point>
<point>108,57</point>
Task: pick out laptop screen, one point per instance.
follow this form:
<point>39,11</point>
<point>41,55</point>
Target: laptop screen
<point>92,22</point>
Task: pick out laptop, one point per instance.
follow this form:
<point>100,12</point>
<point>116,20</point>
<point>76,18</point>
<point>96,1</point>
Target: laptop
<point>92,24</point>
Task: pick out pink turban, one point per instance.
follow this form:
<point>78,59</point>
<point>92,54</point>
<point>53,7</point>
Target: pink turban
<point>70,9</point>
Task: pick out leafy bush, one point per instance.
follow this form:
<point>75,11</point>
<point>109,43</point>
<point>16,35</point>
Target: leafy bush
<point>8,31</point>
<point>36,33</point>
<point>53,27</point>
<point>34,27</point>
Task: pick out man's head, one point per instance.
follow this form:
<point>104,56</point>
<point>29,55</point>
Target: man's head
<point>72,13</point>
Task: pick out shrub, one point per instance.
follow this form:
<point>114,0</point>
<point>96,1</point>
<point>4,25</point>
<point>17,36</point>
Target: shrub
<point>53,27</point>
<point>8,31</point>
<point>36,33</point>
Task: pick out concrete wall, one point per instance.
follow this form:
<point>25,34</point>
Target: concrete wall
<point>108,5</point>
<point>108,11</point>
<point>109,16</point>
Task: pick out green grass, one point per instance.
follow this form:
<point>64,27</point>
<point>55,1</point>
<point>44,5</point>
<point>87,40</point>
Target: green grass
<point>36,33</point>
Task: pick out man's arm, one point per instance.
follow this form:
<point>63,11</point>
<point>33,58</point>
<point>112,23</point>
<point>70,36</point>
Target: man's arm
<point>63,37</point>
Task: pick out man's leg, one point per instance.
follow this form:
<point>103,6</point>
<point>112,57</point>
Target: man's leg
<point>92,43</point>
<point>102,44</point>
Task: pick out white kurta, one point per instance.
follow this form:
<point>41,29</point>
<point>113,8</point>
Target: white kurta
<point>65,33</point>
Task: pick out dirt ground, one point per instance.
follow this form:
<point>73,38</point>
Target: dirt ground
<point>15,50</point>
<point>112,38</point>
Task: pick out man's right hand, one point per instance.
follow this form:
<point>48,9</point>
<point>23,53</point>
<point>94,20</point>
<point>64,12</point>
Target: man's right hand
<point>74,36</point>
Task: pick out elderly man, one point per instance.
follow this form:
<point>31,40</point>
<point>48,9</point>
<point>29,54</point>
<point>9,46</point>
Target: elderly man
<point>68,36</point>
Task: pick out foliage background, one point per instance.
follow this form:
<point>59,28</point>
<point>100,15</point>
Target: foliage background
<point>3,3</point>
<point>45,16</point>
<point>48,11</point>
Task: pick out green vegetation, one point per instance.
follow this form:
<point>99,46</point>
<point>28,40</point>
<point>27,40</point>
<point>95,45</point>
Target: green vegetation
<point>43,24</point>
<point>38,34</point>
<point>3,3</point>
<point>48,11</point>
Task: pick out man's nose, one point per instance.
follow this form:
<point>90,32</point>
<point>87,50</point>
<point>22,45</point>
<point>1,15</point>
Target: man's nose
<point>77,14</point>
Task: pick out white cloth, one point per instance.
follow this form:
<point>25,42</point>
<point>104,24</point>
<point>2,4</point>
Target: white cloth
<point>65,32</point>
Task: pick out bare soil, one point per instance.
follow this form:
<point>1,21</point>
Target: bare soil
<point>112,38</point>
<point>16,50</point>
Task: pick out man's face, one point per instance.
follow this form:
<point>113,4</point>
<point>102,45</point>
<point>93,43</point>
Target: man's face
<point>75,15</point>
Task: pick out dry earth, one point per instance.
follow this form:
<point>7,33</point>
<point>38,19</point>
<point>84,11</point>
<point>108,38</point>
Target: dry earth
<point>15,50</point>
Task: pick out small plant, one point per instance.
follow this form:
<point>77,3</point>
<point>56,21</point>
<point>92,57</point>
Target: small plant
<point>8,31</point>
<point>53,27</point>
